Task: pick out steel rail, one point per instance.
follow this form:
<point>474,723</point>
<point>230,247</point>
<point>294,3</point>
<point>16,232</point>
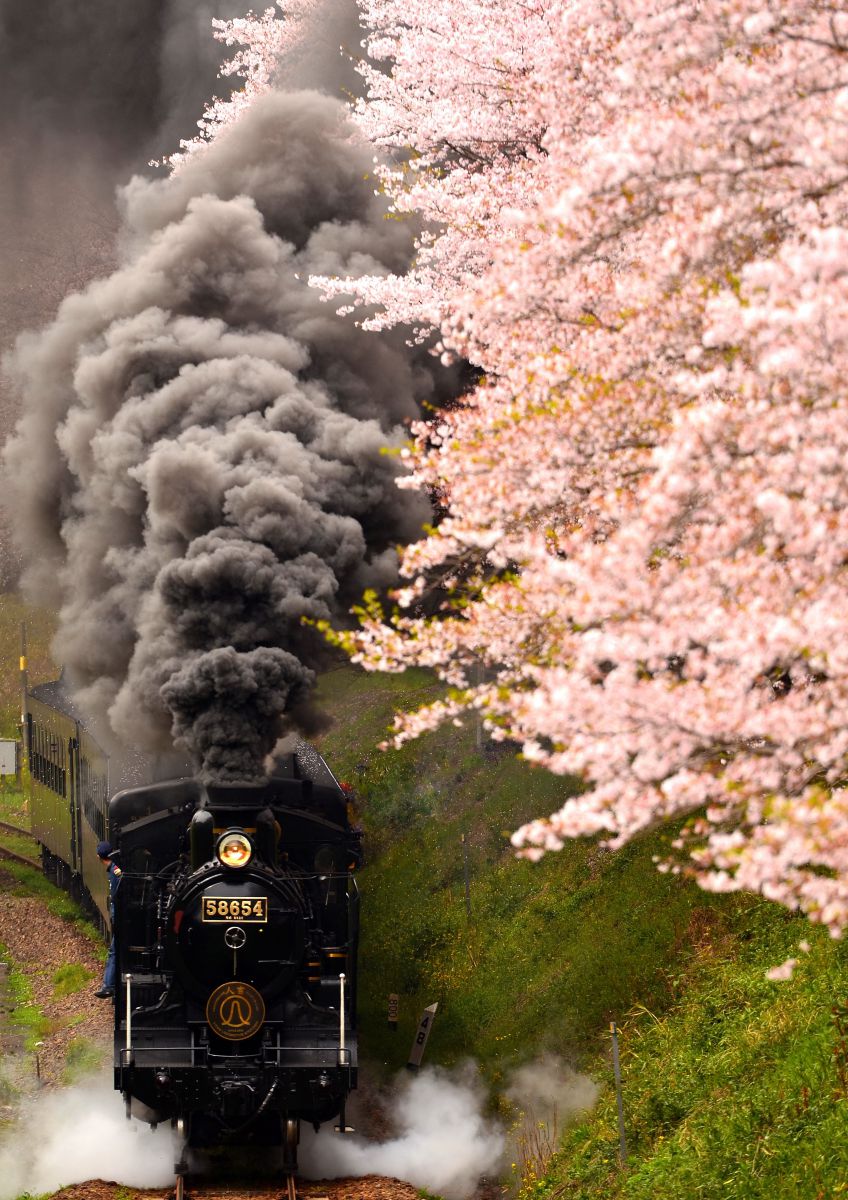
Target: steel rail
<point>19,858</point>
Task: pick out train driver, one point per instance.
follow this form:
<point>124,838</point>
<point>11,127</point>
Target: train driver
<point>104,853</point>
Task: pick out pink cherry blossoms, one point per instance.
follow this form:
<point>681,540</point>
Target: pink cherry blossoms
<point>265,41</point>
<point>636,228</point>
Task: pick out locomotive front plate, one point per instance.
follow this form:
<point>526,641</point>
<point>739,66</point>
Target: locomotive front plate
<point>252,909</point>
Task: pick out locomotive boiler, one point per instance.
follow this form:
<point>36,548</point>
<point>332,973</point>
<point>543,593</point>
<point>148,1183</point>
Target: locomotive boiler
<point>236,928</point>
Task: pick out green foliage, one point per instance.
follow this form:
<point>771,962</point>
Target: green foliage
<point>40,628</point>
<point>70,978</point>
<point>734,1087</point>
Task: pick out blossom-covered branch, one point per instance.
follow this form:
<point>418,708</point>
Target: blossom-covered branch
<point>265,41</point>
<point>637,216</point>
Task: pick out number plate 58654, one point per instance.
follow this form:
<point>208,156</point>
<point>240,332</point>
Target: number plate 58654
<point>226,908</point>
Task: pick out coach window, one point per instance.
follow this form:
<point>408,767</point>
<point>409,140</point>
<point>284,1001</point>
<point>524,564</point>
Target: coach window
<point>38,764</point>
<point>53,747</point>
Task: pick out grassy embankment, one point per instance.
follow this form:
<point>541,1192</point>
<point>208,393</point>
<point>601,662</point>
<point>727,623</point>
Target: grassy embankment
<point>734,1086</point>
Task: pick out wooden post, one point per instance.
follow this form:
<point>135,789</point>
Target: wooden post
<point>616,1066</point>
<point>465,871</point>
<point>394,1005</point>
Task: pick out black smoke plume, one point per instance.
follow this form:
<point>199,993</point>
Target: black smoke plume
<point>90,90</point>
<point>201,460</point>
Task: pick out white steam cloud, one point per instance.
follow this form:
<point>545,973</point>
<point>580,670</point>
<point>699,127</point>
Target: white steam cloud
<point>445,1142</point>
<point>82,1133</point>
<point>547,1095</point>
<point>548,1090</point>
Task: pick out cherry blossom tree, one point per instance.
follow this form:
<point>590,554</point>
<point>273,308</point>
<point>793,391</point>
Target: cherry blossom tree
<point>635,216</point>
<point>265,41</point>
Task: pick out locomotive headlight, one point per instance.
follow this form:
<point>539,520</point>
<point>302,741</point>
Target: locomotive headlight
<point>234,850</point>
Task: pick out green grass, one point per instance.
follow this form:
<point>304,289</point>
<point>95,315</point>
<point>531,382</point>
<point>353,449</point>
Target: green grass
<point>735,1086</point>
<point>740,1091</point>
<point>14,804</point>
<point>24,1015</point>
<point>70,978</point>
<point>9,1094</point>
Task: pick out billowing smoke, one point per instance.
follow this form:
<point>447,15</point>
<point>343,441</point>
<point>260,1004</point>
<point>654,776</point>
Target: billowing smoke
<point>89,90</point>
<point>445,1142</point>
<point>82,1134</point>
<point>201,462</point>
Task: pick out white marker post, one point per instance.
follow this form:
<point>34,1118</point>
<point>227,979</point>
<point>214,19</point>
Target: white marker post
<point>424,1027</point>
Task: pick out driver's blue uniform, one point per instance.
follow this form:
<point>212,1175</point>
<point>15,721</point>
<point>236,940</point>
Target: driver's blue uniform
<point>114,872</point>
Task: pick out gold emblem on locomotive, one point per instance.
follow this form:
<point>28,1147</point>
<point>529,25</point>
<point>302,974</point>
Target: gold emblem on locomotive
<point>235,1011</point>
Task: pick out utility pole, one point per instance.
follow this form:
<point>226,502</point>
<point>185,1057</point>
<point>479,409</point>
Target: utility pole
<point>24,689</point>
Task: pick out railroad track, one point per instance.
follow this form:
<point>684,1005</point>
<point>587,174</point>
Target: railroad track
<point>5,827</point>
<point>198,1189</point>
<point>19,858</point>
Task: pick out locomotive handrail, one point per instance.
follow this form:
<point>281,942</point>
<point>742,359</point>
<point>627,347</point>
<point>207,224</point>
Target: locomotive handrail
<point>127,1056</point>
<point>341,1016</point>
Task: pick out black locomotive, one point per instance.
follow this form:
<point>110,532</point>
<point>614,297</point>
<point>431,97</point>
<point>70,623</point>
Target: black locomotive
<point>236,925</point>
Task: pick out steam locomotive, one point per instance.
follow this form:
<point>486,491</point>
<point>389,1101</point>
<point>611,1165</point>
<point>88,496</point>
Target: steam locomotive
<point>236,927</point>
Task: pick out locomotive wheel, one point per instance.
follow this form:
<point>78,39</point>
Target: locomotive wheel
<point>180,1128</point>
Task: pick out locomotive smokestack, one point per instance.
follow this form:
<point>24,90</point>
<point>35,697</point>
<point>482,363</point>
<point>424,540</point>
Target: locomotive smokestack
<point>201,464</point>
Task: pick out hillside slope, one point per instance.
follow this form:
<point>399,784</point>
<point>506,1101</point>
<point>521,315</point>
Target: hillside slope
<point>734,1086</point>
